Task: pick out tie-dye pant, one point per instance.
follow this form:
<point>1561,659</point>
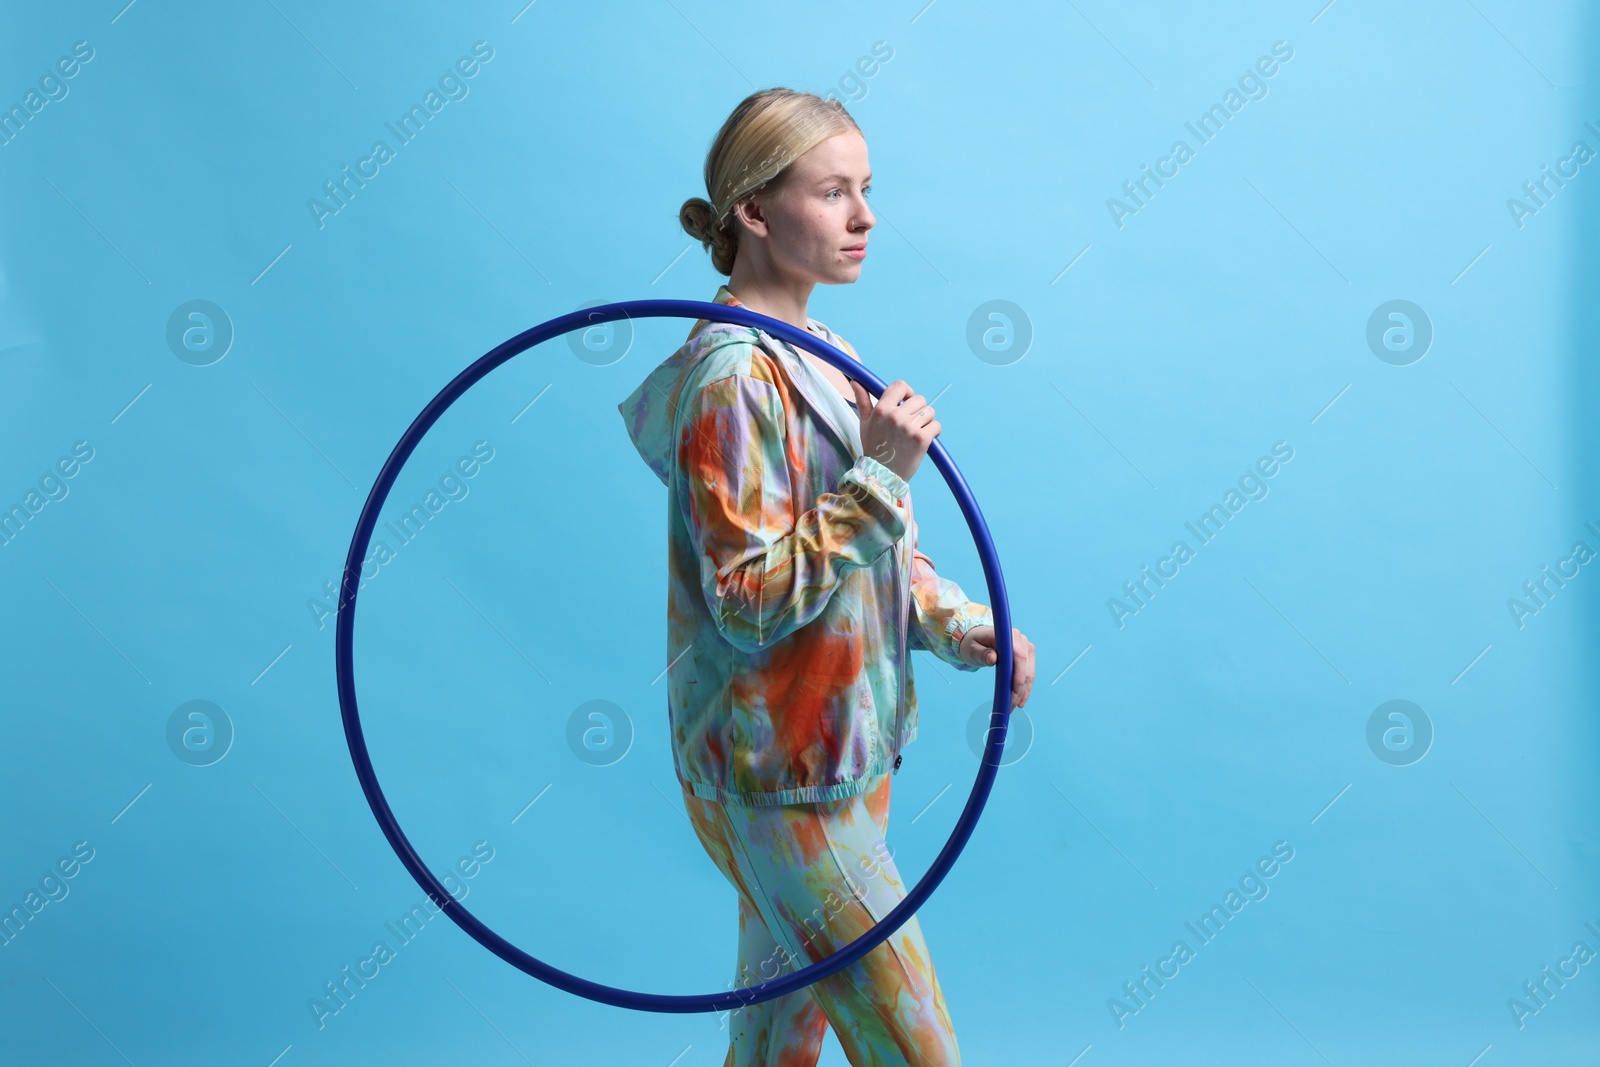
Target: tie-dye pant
<point>812,878</point>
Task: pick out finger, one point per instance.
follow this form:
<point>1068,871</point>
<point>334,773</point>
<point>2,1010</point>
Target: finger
<point>906,399</point>
<point>863,398</point>
<point>894,392</point>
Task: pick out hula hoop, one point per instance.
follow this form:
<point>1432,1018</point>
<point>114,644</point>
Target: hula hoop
<point>345,630</point>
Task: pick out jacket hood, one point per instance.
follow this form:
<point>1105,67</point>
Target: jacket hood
<point>650,411</point>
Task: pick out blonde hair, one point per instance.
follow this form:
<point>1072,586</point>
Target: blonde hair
<point>765,133</point>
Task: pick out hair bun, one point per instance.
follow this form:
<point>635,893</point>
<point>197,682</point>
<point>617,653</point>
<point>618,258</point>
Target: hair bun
<point>698,219</point>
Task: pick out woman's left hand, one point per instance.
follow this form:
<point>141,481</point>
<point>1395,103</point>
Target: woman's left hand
<point>977,648</point>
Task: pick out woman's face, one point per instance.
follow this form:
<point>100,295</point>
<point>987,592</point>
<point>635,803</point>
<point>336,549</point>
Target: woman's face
<point>819,214</point>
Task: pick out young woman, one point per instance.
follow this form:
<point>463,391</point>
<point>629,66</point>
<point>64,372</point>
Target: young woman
<point>796,593</point>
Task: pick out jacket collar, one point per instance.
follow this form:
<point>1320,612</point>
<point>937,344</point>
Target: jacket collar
<point>806,379</point>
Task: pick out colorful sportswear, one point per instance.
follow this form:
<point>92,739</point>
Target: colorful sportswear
<point>793,600</point>
<point>812,878</point>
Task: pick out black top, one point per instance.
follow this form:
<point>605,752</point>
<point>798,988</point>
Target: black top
<point>796,351</point>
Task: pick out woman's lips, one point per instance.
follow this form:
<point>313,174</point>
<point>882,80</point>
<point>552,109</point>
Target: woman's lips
<point>856,253</point>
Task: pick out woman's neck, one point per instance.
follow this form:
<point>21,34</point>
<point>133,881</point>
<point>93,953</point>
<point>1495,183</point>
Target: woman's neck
<point>774,298</point>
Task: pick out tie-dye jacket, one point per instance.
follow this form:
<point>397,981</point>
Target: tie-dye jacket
<point>790,579</point>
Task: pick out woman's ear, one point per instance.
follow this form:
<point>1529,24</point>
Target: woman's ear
<point>750,212</point>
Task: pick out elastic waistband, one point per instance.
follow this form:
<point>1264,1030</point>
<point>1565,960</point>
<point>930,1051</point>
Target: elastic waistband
<point>811,794</point>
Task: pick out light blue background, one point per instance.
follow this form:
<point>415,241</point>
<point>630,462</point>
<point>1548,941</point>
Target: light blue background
<point>1229,714</point>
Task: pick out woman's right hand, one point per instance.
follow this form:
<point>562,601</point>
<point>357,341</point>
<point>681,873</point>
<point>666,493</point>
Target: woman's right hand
<point>897,429</point>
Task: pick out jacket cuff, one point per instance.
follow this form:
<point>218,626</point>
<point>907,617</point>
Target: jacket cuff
<point>896,485</point>
<point>876,500</point>
<point>956,627</point>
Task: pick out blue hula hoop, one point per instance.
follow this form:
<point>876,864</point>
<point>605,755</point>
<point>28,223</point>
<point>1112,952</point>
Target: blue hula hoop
<point>345,629</point>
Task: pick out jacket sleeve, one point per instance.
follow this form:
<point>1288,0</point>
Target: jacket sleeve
<point>765,570</point>
<point>941,614</point>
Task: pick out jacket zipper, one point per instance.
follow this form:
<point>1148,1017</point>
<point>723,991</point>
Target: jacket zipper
<point>900,693</point>
<point>902,581</point>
